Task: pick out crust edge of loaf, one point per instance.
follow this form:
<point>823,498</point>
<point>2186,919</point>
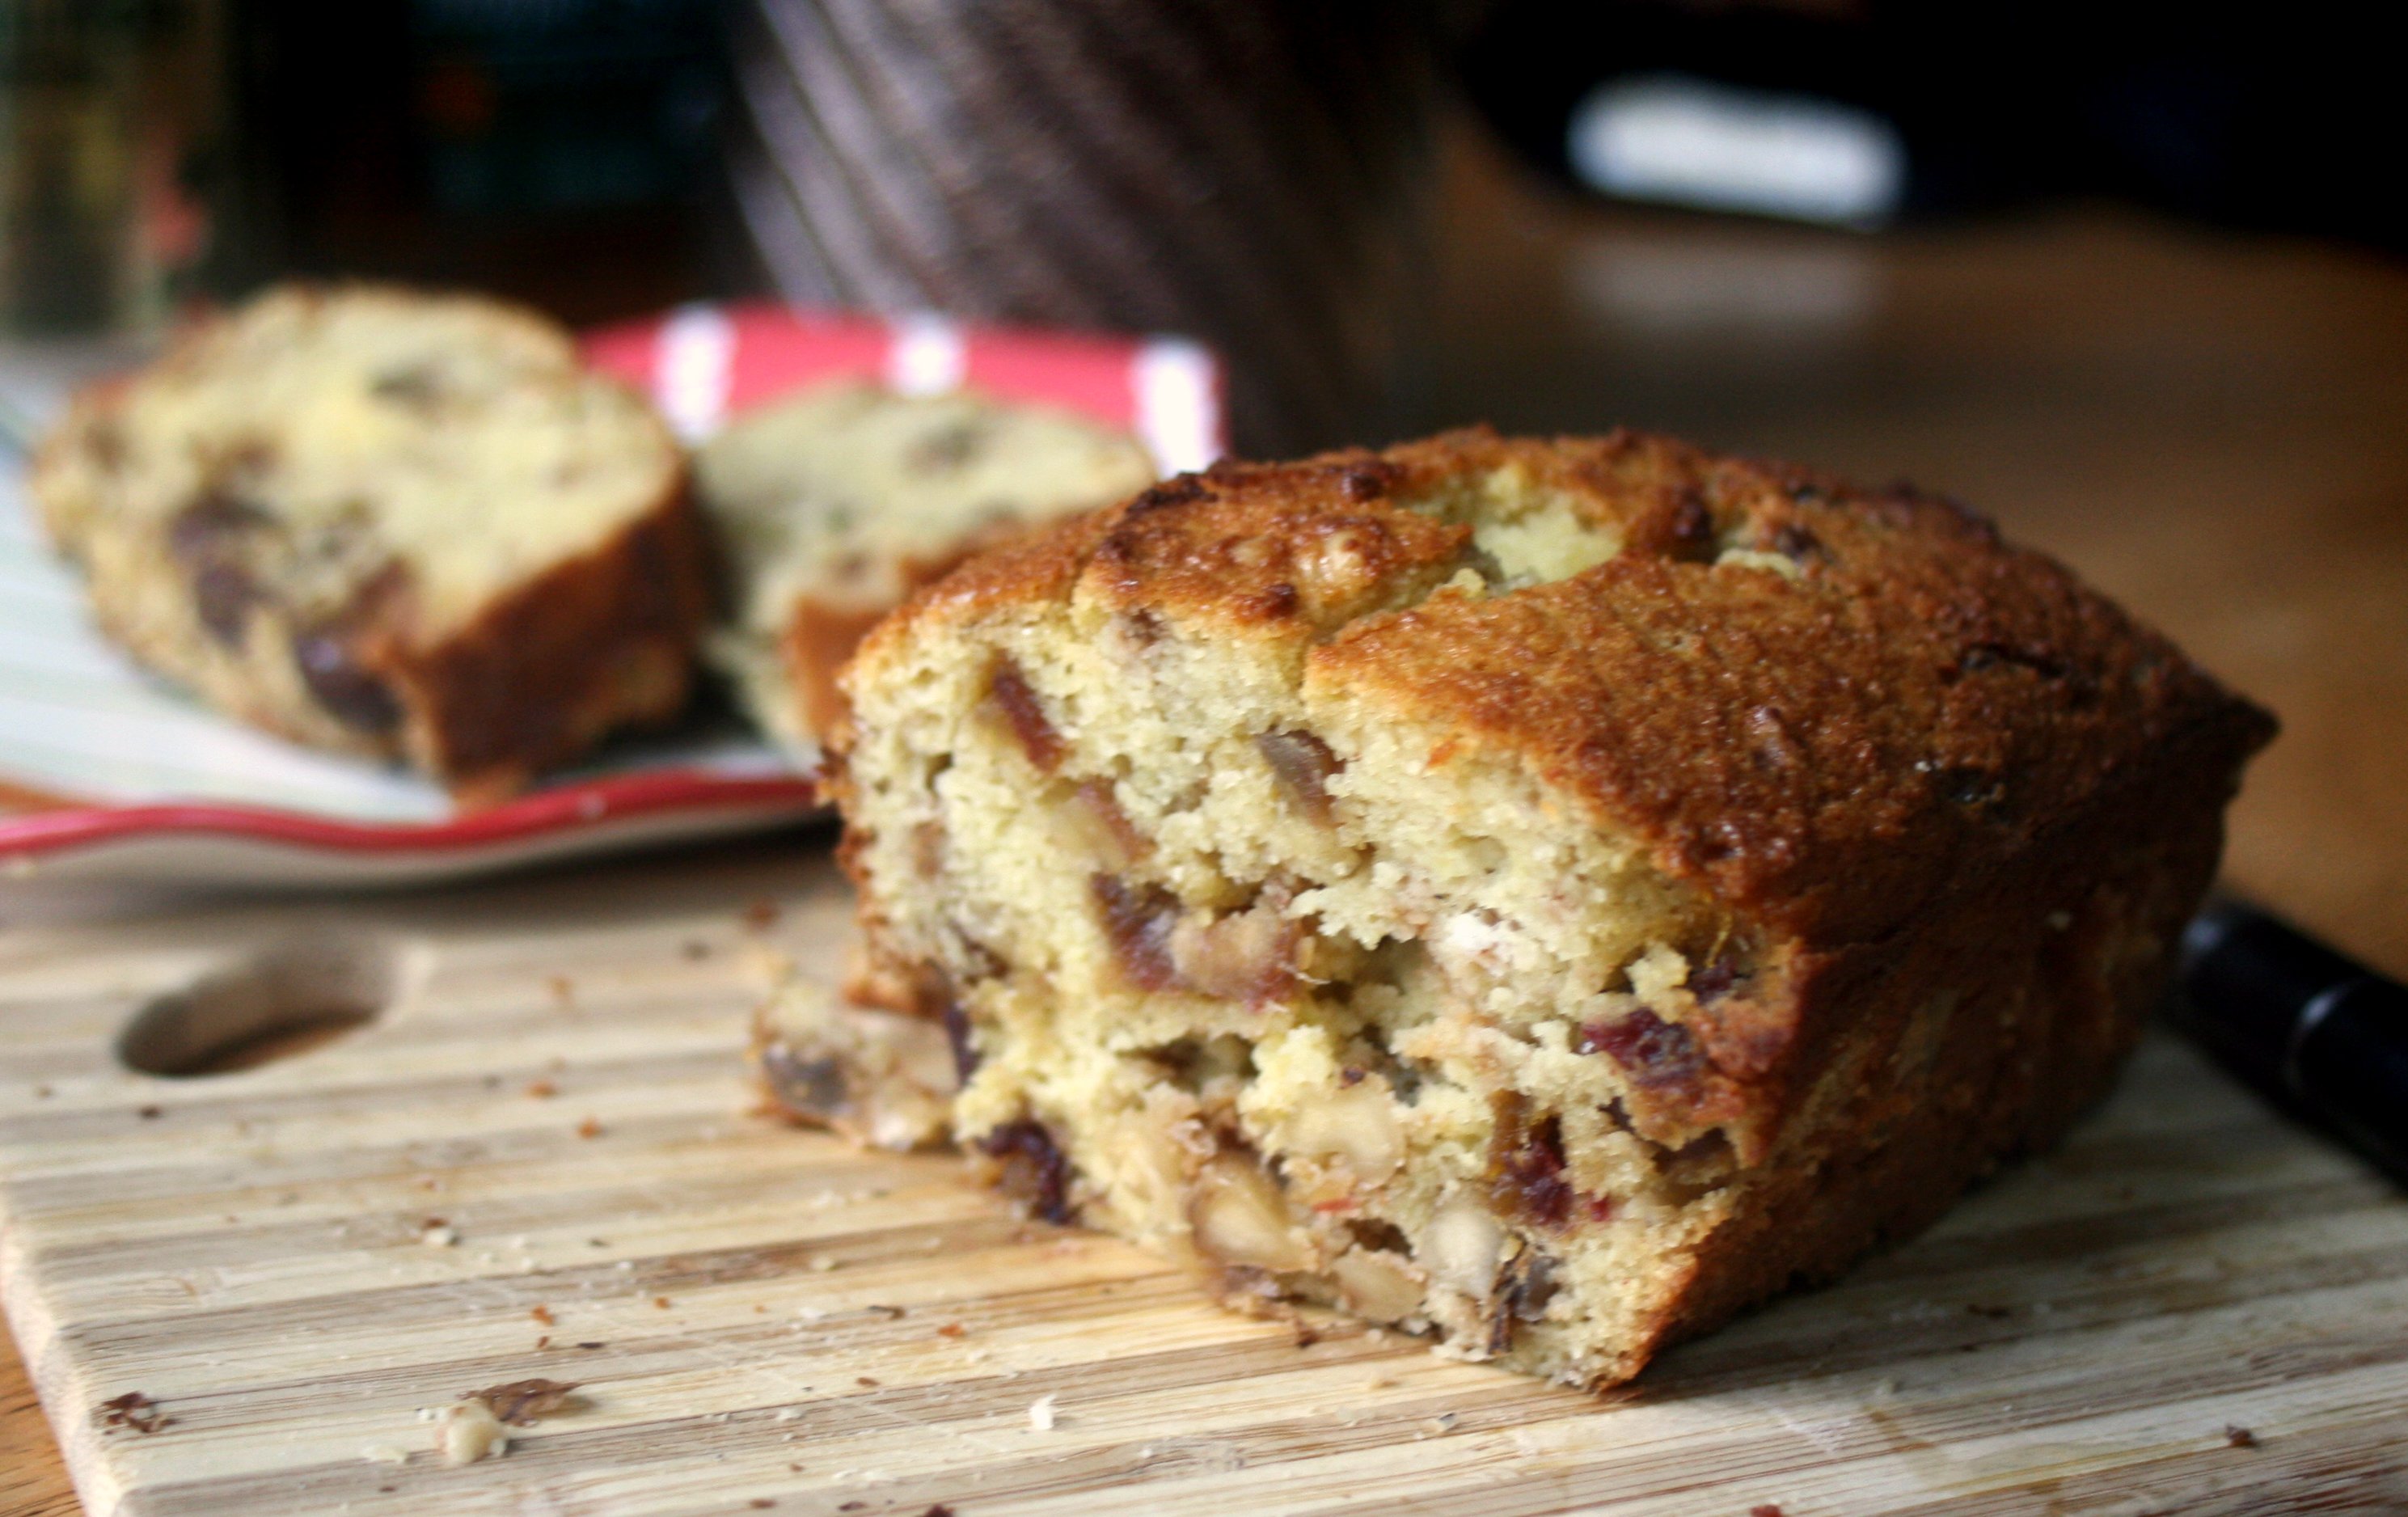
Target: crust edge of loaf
<point>2043,1074</point>
<point>645,595</point>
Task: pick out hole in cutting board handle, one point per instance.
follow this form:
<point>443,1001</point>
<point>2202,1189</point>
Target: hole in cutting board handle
<point>283,1000</point>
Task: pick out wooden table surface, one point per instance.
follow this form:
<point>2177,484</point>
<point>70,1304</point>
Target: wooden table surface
<point>2213,427</point>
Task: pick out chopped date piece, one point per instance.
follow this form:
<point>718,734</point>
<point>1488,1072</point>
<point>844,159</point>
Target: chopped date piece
<point>1143,627</point>
<point>1034,1168</point>
<point>1526,1171</point>
<point>413,387</point>
<point>1715,980</point>
<point>1122,837</point>
<point>1524,1285</point>
<point>207,538</point>
<point>1139,921</point>
<point>1655,1054</point>
<point>1367,481</point>
<point>1679,526</point>
<point>224,597</point>
<point>957,1036</point>
<point>1691,528</point>
<point>809,1090</point>
<point>1530,1282</point>
<point>1248,956</point>
<point>1009,690</point>
<point>1303,764</point>
<point>351,693</point>
<point>212,526</point>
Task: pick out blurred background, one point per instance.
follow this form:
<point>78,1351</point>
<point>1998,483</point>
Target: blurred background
<point>2125,274</point>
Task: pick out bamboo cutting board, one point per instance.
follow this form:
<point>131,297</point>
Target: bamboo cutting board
<point>537,1161</point>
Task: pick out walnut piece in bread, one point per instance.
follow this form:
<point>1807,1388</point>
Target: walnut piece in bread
<point>839,501</point>
<point>1549,895</point>
<point>389,524</point>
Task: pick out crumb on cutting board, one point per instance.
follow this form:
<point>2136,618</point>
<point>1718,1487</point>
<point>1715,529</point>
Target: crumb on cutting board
<point>133,1409</point>
<point>477,1426</point>
<point>470,1431</point>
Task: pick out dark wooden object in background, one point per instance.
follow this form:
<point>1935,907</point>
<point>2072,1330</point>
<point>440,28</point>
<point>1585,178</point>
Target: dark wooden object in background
<point>2209,426</point>
<point>1250,173</point>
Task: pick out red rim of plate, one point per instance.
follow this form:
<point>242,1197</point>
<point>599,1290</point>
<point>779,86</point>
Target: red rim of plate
<point>568,809</point>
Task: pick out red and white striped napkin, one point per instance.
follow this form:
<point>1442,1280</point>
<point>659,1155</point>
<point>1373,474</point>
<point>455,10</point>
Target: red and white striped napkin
<point>702,364</point>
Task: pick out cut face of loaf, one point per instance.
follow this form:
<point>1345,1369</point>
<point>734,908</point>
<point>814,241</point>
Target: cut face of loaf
<point>390,523</point>
<point>1544,894</point>
<point>839,502</point>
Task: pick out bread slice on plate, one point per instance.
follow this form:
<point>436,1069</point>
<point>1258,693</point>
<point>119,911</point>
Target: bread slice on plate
<point>836,503</point>
<point>1548,894</point>
<point>397,524</point>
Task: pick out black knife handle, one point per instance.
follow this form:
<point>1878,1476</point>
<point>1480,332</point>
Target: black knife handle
<point>2292,1016</point>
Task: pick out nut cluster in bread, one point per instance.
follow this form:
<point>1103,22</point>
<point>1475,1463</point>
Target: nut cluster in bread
<point>838,502</point>
<point>390,523</point>
<point>1547,894</point>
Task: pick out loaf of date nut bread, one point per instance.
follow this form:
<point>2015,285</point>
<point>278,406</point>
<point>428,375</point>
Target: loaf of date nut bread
<point>836,503</point>
<point>1545,894</point>
<point>389,524</point>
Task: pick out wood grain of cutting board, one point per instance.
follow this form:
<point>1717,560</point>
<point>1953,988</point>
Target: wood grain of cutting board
<point>539,1160</point>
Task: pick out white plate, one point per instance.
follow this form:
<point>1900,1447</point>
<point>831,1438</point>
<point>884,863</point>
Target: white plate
<point>113,775</point>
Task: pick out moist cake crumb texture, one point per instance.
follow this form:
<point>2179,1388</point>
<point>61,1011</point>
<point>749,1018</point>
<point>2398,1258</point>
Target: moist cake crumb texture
<point>1543,895</point>
<point>838,502</point>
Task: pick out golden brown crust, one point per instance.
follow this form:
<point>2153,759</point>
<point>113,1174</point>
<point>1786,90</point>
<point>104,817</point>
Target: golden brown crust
<point>597,642</point>
<point>820,634</point>
<point>2017,1045</point>
<point>1964,697</point>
